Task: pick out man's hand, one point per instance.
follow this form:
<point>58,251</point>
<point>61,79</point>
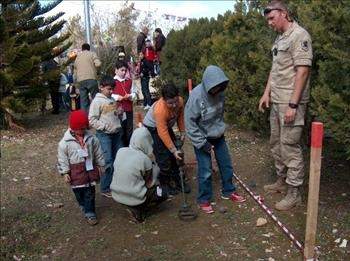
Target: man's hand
<point>178,155</point>
<point>289,116</point>
<point>182,136</point>
<point>66,178</point>
<point>264,102</point>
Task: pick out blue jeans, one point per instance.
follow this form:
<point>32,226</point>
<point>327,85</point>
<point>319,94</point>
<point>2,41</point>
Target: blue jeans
<point>86,87</point>
<point>86,200</point>
<point>110,144</point>
<point>223,158</point>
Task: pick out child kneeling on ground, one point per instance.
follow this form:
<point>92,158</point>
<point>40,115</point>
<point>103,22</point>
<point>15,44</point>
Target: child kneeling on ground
<point>204,121</point>
<point>81,162</point>
<point>134,181</point>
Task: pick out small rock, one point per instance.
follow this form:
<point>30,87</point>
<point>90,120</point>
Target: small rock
<point>17,258</point>
<point>15,180</point>
<point>223,210</point>
<point>343,243</point>
<point>267,250</point>
<point>154,232</point>
<point>213,203</point>
<point>57,205</point>
<point>337,240</point>
<point>53,251</point>
<point>44,256</point>
<point>49,205</point>
<point>271,259</point>
<point>26,178</point>
<point>138,235</point>
<point>343,194</point>
<point>261,222</point>
<point>334,231</point>
<point>223,253</point>
<point>214,225</point>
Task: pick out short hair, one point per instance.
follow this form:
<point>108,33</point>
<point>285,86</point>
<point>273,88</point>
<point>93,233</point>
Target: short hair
<point>275,5</point>
<point>158,30</point>
<point>85,46</point>
<point>169,91</point>
<point>107,81</point>
<point>119,64</point>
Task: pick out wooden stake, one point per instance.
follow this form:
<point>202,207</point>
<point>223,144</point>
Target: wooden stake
<point>189,85</point>
<point>314,187</point>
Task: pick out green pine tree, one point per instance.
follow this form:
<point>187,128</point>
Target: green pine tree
<point>27,39</point>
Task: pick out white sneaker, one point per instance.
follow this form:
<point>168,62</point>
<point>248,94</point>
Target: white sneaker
<point>147,107</point>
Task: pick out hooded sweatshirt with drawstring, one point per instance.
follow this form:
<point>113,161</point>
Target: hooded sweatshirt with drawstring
<point>204,113</point>
<point>130,167</point>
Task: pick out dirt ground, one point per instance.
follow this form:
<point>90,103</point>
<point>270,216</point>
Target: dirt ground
<point>41,220</point>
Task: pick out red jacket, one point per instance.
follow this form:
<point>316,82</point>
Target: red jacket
<point>122,88</point>
<point>150,54</point>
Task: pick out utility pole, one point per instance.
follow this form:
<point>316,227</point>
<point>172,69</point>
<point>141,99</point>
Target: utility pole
<point>87,21</point>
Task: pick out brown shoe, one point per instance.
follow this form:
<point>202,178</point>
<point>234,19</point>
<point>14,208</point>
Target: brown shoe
<point>92,221</point>
<point>135,215</point>
<point>292,199</point>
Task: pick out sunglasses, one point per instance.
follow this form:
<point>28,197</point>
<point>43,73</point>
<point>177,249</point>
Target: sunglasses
<point>269,10</point>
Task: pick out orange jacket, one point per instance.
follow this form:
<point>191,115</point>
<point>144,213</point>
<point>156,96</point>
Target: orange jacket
<point>165,118</point>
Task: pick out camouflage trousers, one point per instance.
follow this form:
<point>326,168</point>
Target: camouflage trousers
<point>285,141</point>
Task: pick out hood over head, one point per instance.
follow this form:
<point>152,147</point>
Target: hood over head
<point>141,139</point>
<point>213,76</point>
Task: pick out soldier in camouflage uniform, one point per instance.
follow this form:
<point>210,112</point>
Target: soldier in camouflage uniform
<point>287,89</point>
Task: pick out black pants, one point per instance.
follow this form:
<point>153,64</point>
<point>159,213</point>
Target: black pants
<point>86,200</point>
<point>169,170</point>
<point>147,100</point>
<point>55,100</point>
<point>128,126</point>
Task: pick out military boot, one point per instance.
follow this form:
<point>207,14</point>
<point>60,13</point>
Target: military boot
<point>279,186</point>
<point>293,198</point>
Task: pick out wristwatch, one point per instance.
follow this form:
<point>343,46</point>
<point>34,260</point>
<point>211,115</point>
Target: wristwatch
<point>293,105</point>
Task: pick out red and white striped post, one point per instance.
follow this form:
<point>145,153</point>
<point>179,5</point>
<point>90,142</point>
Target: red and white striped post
<point>314,187</point>
<point>189,85</point>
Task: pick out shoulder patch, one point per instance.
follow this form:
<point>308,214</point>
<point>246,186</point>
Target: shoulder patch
<point>305,46</point>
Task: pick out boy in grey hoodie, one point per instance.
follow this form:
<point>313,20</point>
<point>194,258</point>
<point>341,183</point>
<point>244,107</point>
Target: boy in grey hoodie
<point>204,122</point>
<point>105,117</point>
<point>134,181</point>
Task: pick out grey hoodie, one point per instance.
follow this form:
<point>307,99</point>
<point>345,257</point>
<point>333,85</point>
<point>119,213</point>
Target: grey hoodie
<point>204,113</point>
<point>103,114</point>
<point>130,166</point>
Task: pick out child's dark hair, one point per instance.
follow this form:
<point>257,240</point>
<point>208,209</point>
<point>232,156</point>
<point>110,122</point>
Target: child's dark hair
<point>85,46</point>
<point>169,91</point>
<point>107,81</point>
<point>119,64</point>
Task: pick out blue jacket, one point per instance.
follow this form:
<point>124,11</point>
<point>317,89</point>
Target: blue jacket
<point>204,113</point>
